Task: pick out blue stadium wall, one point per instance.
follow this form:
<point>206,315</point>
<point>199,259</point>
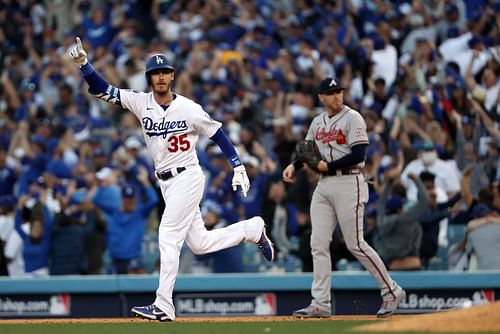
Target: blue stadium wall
<point>354,293</point>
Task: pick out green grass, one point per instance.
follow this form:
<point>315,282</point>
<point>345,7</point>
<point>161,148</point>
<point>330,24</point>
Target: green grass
<point>284,327</point>
<point>311,327</point>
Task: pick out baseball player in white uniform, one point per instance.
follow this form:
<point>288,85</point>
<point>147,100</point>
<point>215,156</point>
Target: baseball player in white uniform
<point>340,196</point>
<point>171,126</point>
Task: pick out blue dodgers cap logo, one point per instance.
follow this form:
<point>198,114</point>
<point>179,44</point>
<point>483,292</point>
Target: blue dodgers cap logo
<point>159,60</point>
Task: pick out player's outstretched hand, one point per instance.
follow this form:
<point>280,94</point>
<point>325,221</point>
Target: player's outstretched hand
<point>78,53</point>
<point>240,178</point>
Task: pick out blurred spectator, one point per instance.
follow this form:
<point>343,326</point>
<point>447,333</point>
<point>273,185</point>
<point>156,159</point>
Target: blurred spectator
<point>419,72</point>
<point>67,252</point>
<point>8,176</point>
<point>127,224</point>
<point>280,215</point>
<point>483,237</point>
<point>399,233</point>
<point>12,244</point>
<point>6,229</point>
<point>97,28</point>
<point>138,159</point>
<point>385,60</point>
<point>446,176</point>
<point>229,260</point>
<point>258,176</point>
<point>484,196</point>
<point>489,88</point>
<point>285,142</point>
<point>432,220</point>
<point>107,190</point>
<point>31,211</point>
<point>95,241</point>
<point>250,143</point>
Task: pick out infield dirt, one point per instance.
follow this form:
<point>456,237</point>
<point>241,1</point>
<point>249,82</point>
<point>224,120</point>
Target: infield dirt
<point>480,318</point>
<point>181,319</point>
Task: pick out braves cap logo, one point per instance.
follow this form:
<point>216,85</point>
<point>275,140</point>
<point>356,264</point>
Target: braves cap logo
<point>333,83</point>
<point>159,60</point>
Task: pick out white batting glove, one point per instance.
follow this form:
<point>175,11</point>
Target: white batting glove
<point>240,178</point>
<point>78,53</point>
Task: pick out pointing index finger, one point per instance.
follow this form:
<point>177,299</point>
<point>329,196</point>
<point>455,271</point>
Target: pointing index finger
<point>78,43</point>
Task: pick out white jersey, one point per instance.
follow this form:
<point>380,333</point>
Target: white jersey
<point>335,135</point>
<point>170,135</point>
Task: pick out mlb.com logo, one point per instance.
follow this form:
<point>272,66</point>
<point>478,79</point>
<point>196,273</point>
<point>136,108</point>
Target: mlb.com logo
<point>483,297</point>
<point>226,304</point>
<point>54,305</point>
<point>265,304</point>
<point>423,303</point>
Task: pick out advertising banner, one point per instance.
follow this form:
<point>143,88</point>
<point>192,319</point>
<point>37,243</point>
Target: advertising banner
<point>417,301</point>
<point>225,304</point>
<point>35,306</point>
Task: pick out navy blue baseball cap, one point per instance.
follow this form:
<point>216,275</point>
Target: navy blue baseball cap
<point>480,210</point>
<point>7,202</point>
<point>450,8</point>
<point>329,85</point>
<point>128,191</point>
<point>393,204</point>
<point>157,62</point>
<point>475,40</point>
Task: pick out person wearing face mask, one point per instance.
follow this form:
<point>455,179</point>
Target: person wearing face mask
<point>447,177</point>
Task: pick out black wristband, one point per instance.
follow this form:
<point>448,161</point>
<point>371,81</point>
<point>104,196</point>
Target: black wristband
<point>297,164</point>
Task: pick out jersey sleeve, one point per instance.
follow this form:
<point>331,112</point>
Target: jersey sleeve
<point>203,122</point>
<point>357,130</point>
<point>132,100</point>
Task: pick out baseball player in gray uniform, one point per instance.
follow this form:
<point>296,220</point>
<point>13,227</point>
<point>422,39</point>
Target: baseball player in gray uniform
<point>340,195</point>
<point>171,126</point>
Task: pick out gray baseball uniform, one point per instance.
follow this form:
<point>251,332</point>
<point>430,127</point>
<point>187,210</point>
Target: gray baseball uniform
<point>341,198</point>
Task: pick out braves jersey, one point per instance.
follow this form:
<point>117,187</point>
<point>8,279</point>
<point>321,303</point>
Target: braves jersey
<point>335,135</point>
<point>170,135</point>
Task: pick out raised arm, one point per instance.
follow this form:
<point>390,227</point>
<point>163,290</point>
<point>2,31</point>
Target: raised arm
<point>422,203</point>
<point>459,141</point>
<point>469,77</point>
<point>487,121</point>
<point>465,185</point>
<point>98,86</point>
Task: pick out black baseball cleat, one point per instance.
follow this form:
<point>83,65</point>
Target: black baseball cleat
<point>150,312</point>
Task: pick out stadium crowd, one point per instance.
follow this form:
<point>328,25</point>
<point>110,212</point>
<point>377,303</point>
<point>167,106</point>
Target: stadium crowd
<point>79,196</point>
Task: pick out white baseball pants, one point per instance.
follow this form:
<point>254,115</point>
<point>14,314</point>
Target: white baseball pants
<point>182,221</point>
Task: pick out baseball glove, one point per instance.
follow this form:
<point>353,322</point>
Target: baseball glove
<point>308,152</point>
